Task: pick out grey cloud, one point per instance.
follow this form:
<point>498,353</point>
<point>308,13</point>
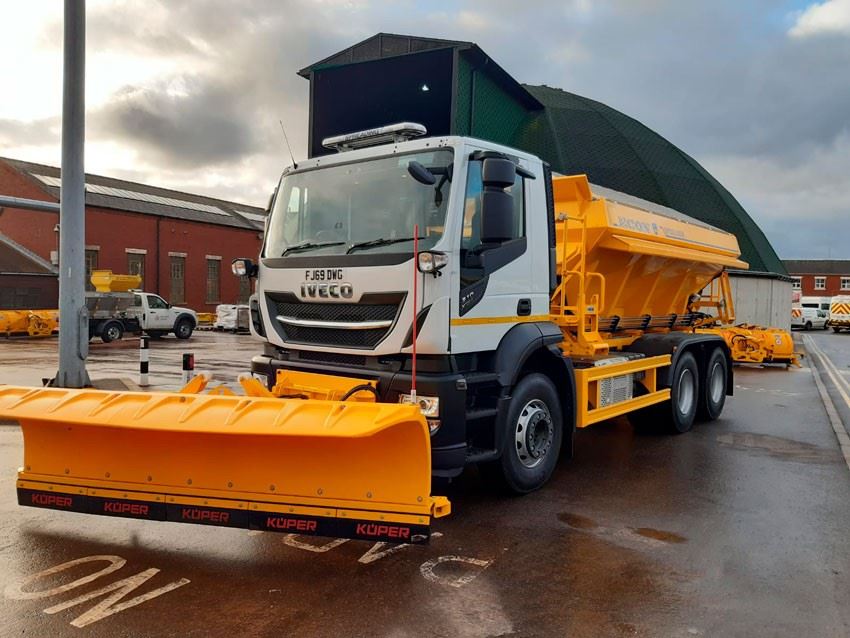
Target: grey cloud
<point>202,126</point>
<point>33,133</point>
<point>723,80</point>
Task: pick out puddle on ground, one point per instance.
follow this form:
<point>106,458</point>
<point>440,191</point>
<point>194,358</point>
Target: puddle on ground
<point>778,447</point>
<point>577,522</point>
<point>659,535</point>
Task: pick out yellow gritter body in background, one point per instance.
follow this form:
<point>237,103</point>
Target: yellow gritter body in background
<point>34,323</point>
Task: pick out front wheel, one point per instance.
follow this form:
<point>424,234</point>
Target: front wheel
<point>533,436</point>
<point>183,329</point>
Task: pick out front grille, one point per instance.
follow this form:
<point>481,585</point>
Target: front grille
<point>372,307</point>
<point>338,358</point>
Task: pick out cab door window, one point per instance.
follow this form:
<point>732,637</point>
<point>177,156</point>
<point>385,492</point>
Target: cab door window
<point>471,238</point>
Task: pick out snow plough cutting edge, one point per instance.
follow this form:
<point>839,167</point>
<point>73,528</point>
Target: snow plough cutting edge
<point>330,468</point>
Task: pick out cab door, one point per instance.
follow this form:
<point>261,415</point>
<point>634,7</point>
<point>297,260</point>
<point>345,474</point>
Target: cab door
<point>501,283</point>
<point>158,313</point>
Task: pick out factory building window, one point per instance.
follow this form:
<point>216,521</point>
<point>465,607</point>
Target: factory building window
<point>845,283</point>
<point>178,280</point>
<point>820,283</point>
<point>213,280</point>
<point>796,285</point>
<point>136,266</point>
<point>91,264</point>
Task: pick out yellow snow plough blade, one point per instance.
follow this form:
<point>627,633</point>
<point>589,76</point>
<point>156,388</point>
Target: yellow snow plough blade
<point>329,468</point>
<point>756,344</point>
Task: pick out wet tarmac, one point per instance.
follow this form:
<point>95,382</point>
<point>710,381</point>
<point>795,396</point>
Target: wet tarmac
<point>26,361</point>
<point>738,528</point>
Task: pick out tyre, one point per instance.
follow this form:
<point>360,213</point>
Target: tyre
<point>712,389</point>
<point>154,334</point>
<point>808,326</point>
<point>533,437</point>
<point>677,415</point>
<point>112,331</point>
<point>183,328</point>
<point>836,329</point>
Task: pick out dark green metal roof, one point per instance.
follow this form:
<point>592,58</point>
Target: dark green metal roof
<point>579,135</point>
<point>574,134</point>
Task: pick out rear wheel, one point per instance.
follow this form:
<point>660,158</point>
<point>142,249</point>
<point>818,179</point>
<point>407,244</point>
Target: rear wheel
<point>836,329</point>
<point>808,326</point>
<point>533,436</point>
<point>677,415</point>
<point>113,331</point>
<point>713,387</point>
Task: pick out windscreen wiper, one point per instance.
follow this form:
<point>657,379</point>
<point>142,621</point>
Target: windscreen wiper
<point>310,245</point>
<point>381,241</point>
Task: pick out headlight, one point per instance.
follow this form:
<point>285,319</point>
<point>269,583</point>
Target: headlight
<point>429,406</point>
<point>432,262</point>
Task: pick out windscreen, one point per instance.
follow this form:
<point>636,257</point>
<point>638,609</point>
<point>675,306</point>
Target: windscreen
<point>360,207</point>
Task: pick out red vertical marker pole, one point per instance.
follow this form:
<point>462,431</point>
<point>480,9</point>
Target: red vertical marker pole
<point>415,293</point>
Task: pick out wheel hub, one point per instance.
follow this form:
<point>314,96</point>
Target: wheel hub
<point>717,383</point>
<point>534,433</point>
<point>687,391</point>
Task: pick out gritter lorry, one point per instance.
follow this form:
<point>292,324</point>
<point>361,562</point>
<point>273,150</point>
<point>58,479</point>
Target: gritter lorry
<point>426,303</point>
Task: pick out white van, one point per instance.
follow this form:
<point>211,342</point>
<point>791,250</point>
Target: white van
<point>808,318</point>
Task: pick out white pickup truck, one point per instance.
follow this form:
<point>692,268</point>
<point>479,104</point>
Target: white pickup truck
<point>114,313</point>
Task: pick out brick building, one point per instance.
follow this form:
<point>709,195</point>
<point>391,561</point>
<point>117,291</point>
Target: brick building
<point>820,277</point>
<point>26,280</point>
<point>181,244</point>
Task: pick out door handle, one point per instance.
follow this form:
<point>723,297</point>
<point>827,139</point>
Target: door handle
<point>523,307</point>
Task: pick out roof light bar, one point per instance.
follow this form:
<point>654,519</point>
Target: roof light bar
<point>392,133</point>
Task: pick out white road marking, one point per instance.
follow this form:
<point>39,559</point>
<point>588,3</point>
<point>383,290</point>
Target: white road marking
<point>832,371</point>
<point>832,413</point>
<point>122,588</point>
<point>16,591</point>
<point>377,550</point>
<point>292,541</point>
<point>104,608</point>
<point>427,570</point>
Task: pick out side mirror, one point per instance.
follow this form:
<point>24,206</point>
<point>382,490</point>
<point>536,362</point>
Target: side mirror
<point>421,174</point>
<point>497,205</point>
<point>244,267</point>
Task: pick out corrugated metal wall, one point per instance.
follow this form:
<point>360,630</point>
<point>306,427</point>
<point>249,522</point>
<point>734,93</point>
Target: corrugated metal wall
<point>761,300</point>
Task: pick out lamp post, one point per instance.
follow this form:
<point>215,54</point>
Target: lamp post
<point>73,314</point>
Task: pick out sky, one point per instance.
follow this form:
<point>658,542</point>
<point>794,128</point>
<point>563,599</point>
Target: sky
<point>187,94</point>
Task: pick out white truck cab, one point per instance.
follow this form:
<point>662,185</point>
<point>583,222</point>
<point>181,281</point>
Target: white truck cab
<point>157,317</point>
<point>336,274</point>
